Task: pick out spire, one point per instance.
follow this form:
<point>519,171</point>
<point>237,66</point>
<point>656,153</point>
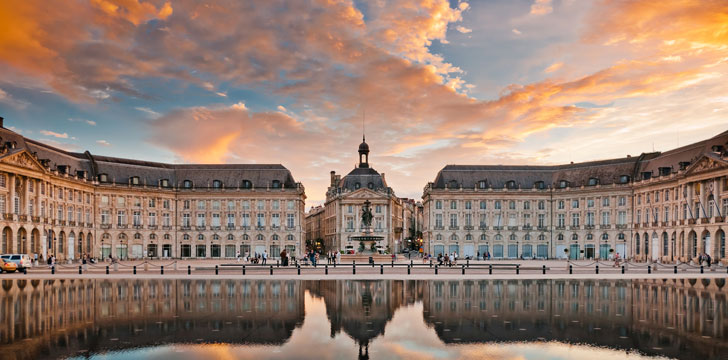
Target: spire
<point>363,147</point>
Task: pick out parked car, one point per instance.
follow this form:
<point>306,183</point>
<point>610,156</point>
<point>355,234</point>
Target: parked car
<point>7,266</point>
<point>21,260</point>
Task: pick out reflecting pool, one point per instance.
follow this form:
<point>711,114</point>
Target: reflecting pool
<point>284,319</point>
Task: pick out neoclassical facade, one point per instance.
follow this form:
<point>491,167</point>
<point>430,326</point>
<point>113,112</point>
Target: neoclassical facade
<point>658,206</point>
<point>339,222</point>
<point>55,202</point>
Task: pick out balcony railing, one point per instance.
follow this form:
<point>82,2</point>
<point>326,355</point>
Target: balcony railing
<point>152,227</point>
<point>497,228</point>
<point>483,227</point>
<point>35,219</point>
<point>260,228</point>
<point>691,221</point>
<point>106,226</point>
<point>185,227</point>
<point>542,228</point>
<point>439,227</point>
<point>589,227</point>
<point>8,216</point>
<point>166,227</point>
<point>214,227</point>
<point>560,227</point>
<point>468,227</point>
<point>621,226</point>
<point>526,227</point>
<point>454,227</point>
<point>704,221</point>
<point>605,226</point>
<point>121,226</point>
<point>200,227</point>
<point>513,228</point>
<point>290,228</point>
<point>23,218</point>
<point>138,226</point>
<point>574,227</point>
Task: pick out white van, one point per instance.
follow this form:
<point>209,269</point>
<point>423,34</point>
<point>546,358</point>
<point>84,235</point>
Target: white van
<point>23,261</point>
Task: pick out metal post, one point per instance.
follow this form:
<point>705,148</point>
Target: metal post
<point>353,267</point>
<point>271,269</point>
<point>435,269</point>
<point>107,270</point>
<point>571,269</point>
<point>674,269</point>
<point>597,269</point>
<point>649,269</point>
<point>430,262</point>
<point>326,269</point>
<point>467,262</point>
<point>381,269</point>
<point>244,270</point>
<point>701,269</point>
<point>53,270</point>
<point>518,269</point>
<point>463,269</point>
<point>216,270</point>
<point>490,269</point>
<point>161,270</point>
<point>278,264</point>
<point>189,270</point>
<point>392,263</point>
<point>299,269</point>
<point>80,270</point>
<point>409,268</point>
<point>543,269</point>
<point>622,269</point>
<point>134,269</point>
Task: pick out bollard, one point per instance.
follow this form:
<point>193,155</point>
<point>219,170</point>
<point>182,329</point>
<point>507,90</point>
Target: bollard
<point>353,267</point>
<point>189,270</point>
<point>216,270</point>
<point>299,269</point>
<point>134,269</point>
<point>467,262</point>
<point>244,269</point>
<point>649,269</point>
<point>25,270</point>
<point>543,269</point>
<point>463,269</point>
<point>107,270</point>
<point>435,269</point>
<point>271,269</point>
<point>430,262</point>
<point>80,270</point>
<point>392,263</point>
<point>408,270</point>
<point>490,269</point>
<point>518,269</point>
<point>571,269</point>
<point>674,269</point>
<point>381,269</point>
<point>701,269</point>
<point>53,270</point>
<point>278,264</point>
<point>326,270</point>
<point>161,269</point>
<point>412,262</point>
<point>597,269</point>
<point>622,269</point>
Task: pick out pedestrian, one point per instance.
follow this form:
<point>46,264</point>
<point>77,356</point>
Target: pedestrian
<point>237,256</point>
<point>284,258</point>
<point>616,260</point>
<point>338,257</point>
<point>265,256</point>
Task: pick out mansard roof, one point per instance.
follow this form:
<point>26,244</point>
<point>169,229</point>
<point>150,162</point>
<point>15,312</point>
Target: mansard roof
<point>120,170</point>
<point>362,176</point>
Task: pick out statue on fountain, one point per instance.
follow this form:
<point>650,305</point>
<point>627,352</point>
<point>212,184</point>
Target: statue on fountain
<point>366,216</point>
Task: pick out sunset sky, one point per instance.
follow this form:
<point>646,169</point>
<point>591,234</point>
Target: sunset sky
<point>441,82</point>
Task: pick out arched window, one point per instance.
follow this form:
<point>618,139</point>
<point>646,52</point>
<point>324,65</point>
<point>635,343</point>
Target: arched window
<point>185,237</point>
<point>593,182</point>
<point>575,237</point>
<point>541,238</point>
<point>540,185</point>
<point>605,236</point>
<point>589,236</point>
<point>137,236</point>
<point>215,237</point>
<point>217,184</point>
<point>454,237</point>
<point>289,237</point>
<point>260,237</point>
<point>357,185</point>
<point>246,237</point>
<point>230,237</point>
<point>166,237</point>
<point>104,178</point>
<point>275,237</point>
<point>482,184</point>
<point>187,184</point>
<point>498,237</point>
<point>527,237</point>
<point>468,237</point>
<point>560,237</point>
<point>453,184</point>
<point>246,184</point>
<point>276,184</point>
<point>563,184</point>
<point>135,180</point>
<point>620,236</point>
<point>370,185</point>
<point>483,237</point>
<point>201,237</point>
<point>511,184</point>
<point>152,237</point>
<point>512,237</point>
<point>438,237</point>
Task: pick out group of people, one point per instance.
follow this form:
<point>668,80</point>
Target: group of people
<point>333,257</point>
<point>257,258</point>
<point>447,259</point>
<point>704,257</point>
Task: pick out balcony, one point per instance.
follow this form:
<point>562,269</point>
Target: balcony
<point>483,227</point>
<point>719,219</point>
<point>439,227</point>
<point>121,226</point>
<point>105,226</point>
<point>454,227</point>
<point>152,227</point>
<point>214,227</point>
<point>166,227</point>
<point>621,226</point>
<point>290,228</point>
<point>674,223</point>
<point>230,227</point>
<point>8,216</point>
<point>527,227</point>
<point>605,227</point>
<point>349,229</point>
<point>275,227</point>
<point>704,221</point>
<point>497,228</point>
<point>663,224</point>
<point>574,227</point>
<point>561,227</point>
<point>35,219</point>
<point>200,227</point>
<point>23,218</point>
<point>185,228</point>
<point>637,225</point>
<point>542,228</point>
<point>260,228</point>
<point>691,221</point>
<point>62,222</point>
<point>468,227</point>
<point>378,230</point>
<point>138,226</point>
<point>513,228</point>
<point>71,223</point>
<point>245,227</point>
<point>655,224</point>
<point>89,225</point>
<point>589,227</point>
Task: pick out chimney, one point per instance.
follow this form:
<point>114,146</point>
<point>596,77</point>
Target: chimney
<point>1,121</point>
<point>333,177</point>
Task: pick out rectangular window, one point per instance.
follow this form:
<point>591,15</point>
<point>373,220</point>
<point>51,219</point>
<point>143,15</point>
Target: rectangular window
<point>166,220</point>
<point>541,220</point>
<point>120,201</point>
<point>438,220</point>
<point>186,205</point>
<point>379,209</point>
<point>482,205</point>
<point>137,202</point>
<point>246,205</point>
<point>216,220</point>
<point>105,218</point>
<point>497,205</point>
<point>453,220</point>
<point>622,218</point>
<point>468,220</point>
<point>575,219</point>
<point>165,204</point>
<point>290,221</point>
<point>541,205</point>
<point>245,220</point>
<point>230,220</point>
<point>137,219</point>
<point>276,220</point>
<point>527,220</point>
<point>605,201</point>
<point>105,200</point>
<point>152,202</point>
<point>438,204</point>
<point>152,219</point>
<point>575,204</point>
<point>468,205</point>
<point>527,205</point>
<point>453,204</point>
<point>200,220</point>
<point>216,205</point>
<point>561,220</point>
<point>590,218</point>
<point>261,205</point>
<point>639,216</point>
<point>260,222</point>
<point>121,217</point>
<point>231,205</point>
<point>590,203</point>
<point>483,220</point>
<point>290,205</point>
<point>201,205</point>
<point>605,218</point>
<point>511,219</point>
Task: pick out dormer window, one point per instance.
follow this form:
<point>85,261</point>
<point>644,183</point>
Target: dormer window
<point>80,174</point>
<point>276,184</point>
<point>593,182</point>
<point>135,180</point>
<point>104,178</point>
<point>63,169</point>
<point>247,184</point>
<point>540,185</point>
<point>453,184</point>
<point>646,175</point>
<point>511,184</point>
<point>187,184</point>
<point>357,185</point>
<point>164,183</point>
<point>563,184</point>
<point>624,179</point>
<point>684,165</point>
<point>370,185</point>
<point>665,170</point>
<point>217,184</point>
<point>482,184</point>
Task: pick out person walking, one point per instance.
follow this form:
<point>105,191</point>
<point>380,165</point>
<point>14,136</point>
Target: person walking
<point>265,256</point>
<point>284,258</point>
<point>237,256</point>
<point>338,257</point>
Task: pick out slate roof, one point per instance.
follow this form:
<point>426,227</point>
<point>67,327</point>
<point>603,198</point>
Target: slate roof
<point>363,176</point>
<point>688,154</point>
<point>120,170</point>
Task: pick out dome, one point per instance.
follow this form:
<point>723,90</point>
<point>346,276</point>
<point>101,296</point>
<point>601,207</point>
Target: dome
<point>363,147</point>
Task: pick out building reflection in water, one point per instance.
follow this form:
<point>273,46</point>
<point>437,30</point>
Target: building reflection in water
<point>61,318</point>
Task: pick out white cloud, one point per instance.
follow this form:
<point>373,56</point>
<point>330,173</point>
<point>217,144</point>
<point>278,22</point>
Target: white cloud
<point>463,29</point>
<point>10,100</point>
<point>103,143</point>
<point>541,7</point>
<point>516,31</point>
<point>54,134</point>
<point>282,108</point>
<point>150,113</point>
<point>221,93</point>
<point>89,122</point>
<point>239,106</point>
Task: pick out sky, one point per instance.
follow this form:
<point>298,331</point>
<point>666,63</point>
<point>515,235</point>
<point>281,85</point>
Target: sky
<point>438,82</point>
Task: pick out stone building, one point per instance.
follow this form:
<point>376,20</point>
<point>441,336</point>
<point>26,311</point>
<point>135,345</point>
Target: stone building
<point>658,206</point>
<point>68,204</point>
<point>342,224</point>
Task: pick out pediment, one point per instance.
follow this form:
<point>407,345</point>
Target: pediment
<point>364,194</point>
<point>707,163</point>
<point>22,159</point>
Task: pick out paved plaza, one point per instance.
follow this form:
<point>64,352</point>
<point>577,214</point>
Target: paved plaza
<point>400,269</point>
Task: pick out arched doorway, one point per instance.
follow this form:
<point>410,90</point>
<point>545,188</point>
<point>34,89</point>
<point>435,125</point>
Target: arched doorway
<point>71,245</point>
<point>673,246</point>
<point>692,244</point>
<point>89,248</point>
<point>35,242</point>
<point>705,243</point>
<point>22,247</point>
<point>646,238</point>
<point>655,247</point>
<point>7,245</point>
<point>720,239</point>
<point>60,246</point>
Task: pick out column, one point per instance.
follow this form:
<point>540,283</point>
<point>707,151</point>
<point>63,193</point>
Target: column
<point>25,201</point>
<point>11,193</point>
<point>39,184</point>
